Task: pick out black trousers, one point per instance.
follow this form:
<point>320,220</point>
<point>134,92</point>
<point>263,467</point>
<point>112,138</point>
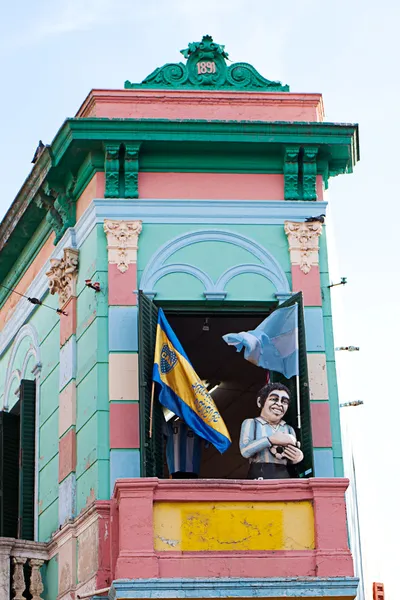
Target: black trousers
<point>268,471</point>
<point>184,475</point>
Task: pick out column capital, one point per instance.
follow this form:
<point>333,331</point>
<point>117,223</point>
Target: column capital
<point>63,274</point>
<point>122,242</point>
<point>303,241</point>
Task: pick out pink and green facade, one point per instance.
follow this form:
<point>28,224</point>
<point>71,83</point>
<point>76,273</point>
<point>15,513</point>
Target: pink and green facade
<point>191,192</point>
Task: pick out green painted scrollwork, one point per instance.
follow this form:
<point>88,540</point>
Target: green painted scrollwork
<point>206,68</point>
<point>171,75</point>
<point>243,75</point>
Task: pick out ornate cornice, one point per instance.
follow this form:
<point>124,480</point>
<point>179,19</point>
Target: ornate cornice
<point>122,242</point>
<point>303,243</point>
<point>63,274</point>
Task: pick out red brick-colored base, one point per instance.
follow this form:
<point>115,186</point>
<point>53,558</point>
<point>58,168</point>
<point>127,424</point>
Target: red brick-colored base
<point>122,286</point>
<point>309,284</point>
<point>67,454</point>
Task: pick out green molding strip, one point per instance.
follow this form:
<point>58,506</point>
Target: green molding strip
<point>141,130</point>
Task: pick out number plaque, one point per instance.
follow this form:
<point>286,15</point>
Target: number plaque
<point>206,67</point>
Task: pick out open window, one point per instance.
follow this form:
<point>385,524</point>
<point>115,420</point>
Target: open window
<point>200,332</point>
<point>17,465</point>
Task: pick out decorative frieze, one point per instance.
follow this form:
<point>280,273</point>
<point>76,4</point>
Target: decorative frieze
<point>122,242</point>
<point>303,243</point>
<point>291,172</point>
<point>63,275</point>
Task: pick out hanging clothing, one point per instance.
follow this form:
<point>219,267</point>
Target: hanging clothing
<point>183,450</point>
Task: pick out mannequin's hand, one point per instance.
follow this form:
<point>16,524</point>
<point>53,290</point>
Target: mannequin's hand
<point>293,454</point>
<point>281,439</point>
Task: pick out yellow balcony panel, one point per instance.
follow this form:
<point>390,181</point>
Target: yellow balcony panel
<point>233,526</point>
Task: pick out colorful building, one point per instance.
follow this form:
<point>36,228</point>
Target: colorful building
<point>191,192</point>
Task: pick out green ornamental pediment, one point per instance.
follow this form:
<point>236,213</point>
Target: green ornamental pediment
<point>206,68</point>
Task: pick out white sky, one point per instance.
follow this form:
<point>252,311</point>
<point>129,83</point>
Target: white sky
<point>53,52</point>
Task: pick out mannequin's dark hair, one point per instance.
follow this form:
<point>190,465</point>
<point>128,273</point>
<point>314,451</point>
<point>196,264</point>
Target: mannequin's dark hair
<point>267,389</point>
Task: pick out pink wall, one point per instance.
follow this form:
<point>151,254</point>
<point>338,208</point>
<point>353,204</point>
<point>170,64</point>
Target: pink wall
<point>217,105</point>
<point>320,188</point>
<point>321,425</point>
<point>94,189</point>
<point>308,283</point>
<point>214,186</point>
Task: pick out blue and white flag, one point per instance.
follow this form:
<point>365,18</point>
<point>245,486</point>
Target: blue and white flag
<point>273,344</point>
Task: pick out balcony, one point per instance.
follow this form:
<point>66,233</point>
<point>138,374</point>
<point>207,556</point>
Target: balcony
<point>202,529</point>
<point>22,559</point>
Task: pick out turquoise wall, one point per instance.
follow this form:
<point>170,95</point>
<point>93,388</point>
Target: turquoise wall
<point>214,258</point>
<point>92,387</point>
<point>92,442</point>
<point>330,359</point>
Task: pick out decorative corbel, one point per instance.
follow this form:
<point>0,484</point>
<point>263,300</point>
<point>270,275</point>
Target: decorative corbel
<point>131,170</point>
<point>111,168</point>
<point>60,206</point>
<point>66,206</point>
<point>63,275</point>
<point>310,172</point>
<point>46,200</point>
<point>291,172</point>
<point>303,244</point>
<point>122,242</point>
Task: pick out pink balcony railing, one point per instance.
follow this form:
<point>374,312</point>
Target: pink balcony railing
<point>228,528</point>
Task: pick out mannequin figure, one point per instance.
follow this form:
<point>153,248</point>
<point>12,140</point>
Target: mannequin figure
<point>267,441</point>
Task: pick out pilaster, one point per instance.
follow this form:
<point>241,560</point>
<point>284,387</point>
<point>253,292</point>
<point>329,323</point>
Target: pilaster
<point>122,246</point>
<point>303,239</point>
<point>62,277</point>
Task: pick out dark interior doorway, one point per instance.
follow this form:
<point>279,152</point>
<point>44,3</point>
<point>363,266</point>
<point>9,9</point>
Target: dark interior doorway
<point>219,364</point>
<point>200,331</point>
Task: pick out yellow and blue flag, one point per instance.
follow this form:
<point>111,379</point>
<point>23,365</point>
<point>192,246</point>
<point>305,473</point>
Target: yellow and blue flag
<point>182,391</point>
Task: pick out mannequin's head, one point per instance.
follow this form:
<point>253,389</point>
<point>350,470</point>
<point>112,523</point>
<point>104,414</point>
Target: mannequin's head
<point>273,400</point>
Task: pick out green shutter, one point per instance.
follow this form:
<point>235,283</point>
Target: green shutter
<point>9,451</point>
<point>306,467</point>
<point>152,459</point>
<point>26,513</point>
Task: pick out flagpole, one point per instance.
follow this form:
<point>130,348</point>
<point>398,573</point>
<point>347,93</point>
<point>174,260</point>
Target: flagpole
<point>151,410</point>
<point>298,401</point>
<point>298,371</point>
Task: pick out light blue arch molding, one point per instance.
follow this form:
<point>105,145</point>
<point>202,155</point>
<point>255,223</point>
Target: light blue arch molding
<point>157,267</point>
<point>33,351</point>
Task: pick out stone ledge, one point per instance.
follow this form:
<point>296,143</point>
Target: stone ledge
<point>315,587</point>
